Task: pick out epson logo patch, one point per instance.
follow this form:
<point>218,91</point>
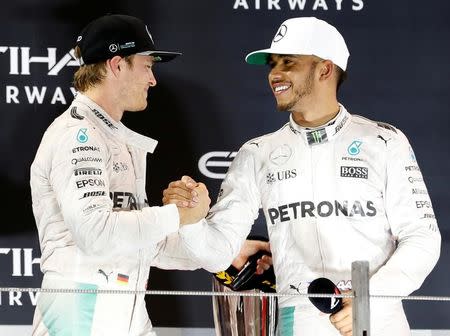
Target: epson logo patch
<point>355,172</point>
<point>91,183</point>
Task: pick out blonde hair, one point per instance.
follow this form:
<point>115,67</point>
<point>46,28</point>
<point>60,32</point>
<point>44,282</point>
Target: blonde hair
<point>90,75</point>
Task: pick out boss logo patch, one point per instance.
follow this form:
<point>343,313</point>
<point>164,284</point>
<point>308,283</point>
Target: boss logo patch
<point>355,172</point>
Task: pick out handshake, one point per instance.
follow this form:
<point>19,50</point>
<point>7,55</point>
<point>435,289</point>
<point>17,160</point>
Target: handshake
<point>191,198</point>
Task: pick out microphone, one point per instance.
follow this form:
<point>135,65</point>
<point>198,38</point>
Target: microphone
<point>328,305</point>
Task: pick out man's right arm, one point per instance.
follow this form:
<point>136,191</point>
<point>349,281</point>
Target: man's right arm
<point>215,242</point>
<point>88,210</point>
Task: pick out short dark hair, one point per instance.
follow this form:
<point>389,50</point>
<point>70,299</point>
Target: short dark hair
<point>341,76</point>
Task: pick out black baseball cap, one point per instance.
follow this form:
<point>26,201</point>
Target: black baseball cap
<point>121,35</point>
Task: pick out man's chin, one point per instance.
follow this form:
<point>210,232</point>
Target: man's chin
<point>139,108</point>
<point>283,107</point>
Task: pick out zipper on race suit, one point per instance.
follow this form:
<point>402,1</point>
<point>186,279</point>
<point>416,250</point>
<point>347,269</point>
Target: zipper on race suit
<point>135,165</point>
<point>313,149</point>
<point>135,288</point>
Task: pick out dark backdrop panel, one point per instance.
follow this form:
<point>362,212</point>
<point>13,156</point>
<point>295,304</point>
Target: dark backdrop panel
<point>209,100</point>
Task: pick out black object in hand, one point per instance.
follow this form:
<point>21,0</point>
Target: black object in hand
<point>247,273</point>
<point>328,305</point>
<point>247,279</point>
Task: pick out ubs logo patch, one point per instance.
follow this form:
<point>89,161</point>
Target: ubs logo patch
<point>280,176</point>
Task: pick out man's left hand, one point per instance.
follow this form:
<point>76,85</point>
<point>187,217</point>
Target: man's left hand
<point>249,248</point>
<point>183,193</point>
<point>342,320</point>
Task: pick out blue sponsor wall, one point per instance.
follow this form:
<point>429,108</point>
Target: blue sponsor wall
<point>208,102</point>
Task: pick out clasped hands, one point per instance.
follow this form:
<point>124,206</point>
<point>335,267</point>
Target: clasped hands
<point>192,200</point>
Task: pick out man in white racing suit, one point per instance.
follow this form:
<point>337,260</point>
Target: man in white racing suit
<point>334,188</point>
<point>95,227</point>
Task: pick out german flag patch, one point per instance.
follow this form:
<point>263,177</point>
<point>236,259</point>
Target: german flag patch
<point>122,279</point>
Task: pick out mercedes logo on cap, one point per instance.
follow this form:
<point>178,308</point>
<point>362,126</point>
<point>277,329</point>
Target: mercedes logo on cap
<point>113,47</point>
<point>280,33</point>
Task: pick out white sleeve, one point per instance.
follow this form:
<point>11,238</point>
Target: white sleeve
<point>87,208</point>
<point>172,253</point>
<point>412,222</point>
<point>214,242</point>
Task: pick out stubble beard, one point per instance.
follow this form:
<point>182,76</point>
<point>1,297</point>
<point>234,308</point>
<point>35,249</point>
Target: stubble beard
<point>299,94</point>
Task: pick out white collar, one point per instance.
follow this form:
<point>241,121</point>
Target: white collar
<point>324,133</point>
<point>82,106</point>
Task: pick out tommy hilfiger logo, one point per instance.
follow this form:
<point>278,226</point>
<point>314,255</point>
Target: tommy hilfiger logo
<point>355,172</point>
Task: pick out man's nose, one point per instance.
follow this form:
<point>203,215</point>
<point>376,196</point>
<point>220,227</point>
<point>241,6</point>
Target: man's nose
<point>152,78</point>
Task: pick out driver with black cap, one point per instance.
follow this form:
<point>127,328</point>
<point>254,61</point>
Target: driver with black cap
<point>96,229</point>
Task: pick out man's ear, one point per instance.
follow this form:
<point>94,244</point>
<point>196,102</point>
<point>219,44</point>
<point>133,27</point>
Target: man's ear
<point>113,64</point>
<point>326,69</point>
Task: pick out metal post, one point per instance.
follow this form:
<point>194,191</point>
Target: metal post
<point>361,300</point>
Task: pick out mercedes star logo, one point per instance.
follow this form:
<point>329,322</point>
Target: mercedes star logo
<point>113,48</point>
<point>280,155</point>
<point>280,33</point>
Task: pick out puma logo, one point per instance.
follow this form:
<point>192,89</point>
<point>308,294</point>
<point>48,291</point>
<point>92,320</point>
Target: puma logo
<point>385,141</point>
<point>104,274</point>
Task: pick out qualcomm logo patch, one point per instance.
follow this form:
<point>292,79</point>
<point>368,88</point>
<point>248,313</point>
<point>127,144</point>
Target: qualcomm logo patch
<point>353,149</point>
<point>82,136</point>
<point>280,155</point>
